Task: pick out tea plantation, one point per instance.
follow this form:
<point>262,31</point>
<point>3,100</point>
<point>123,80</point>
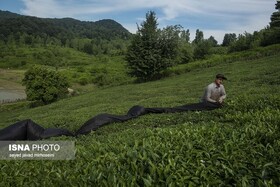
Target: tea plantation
<point>237,145</point>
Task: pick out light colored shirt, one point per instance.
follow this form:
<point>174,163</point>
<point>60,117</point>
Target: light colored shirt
<point>214,93</point>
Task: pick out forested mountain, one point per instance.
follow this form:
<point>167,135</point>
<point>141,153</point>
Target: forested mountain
<point>15,24</point>
<point>7,14</point>
<point>100,37</point>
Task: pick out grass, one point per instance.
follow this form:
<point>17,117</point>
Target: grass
<point>79,67</point>
<point>11,78</point>
<point>237,145</point>
<point>244,77</point>
<point>10,82</point>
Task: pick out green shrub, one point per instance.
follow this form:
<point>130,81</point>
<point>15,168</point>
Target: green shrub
<point>44,85</point>
<point>83,80</point>
<point>102,79</point>
<point>202,49</point>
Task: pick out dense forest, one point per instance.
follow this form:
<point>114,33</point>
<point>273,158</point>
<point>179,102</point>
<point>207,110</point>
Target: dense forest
<point>90,37</point>
<point>13,24</point>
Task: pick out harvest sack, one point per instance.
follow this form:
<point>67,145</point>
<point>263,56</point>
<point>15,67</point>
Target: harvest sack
<point>29,130</point>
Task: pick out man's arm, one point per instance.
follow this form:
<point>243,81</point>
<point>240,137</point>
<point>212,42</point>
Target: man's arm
<point>223,94</point>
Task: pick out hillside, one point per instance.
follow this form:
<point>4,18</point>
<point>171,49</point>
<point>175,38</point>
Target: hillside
<point>65,28</point>
<point>237,145</point>
<point>79,48</point>
<point>8,15</point>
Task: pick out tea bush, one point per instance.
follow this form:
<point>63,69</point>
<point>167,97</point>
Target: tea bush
<point>44,85</point>
<point>237,145</point>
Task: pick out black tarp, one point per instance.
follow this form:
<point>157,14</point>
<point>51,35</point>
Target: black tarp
<point>29,130</point>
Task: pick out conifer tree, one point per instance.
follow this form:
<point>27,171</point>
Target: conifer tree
<point>272,35</point>
<point>151,50</point>
<point>275,17</point>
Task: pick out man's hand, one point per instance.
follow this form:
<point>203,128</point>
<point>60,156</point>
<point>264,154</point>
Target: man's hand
<point>220,101</point>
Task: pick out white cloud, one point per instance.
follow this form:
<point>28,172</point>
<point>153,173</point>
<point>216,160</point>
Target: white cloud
<point>171,9</point>
<point>227,15</point>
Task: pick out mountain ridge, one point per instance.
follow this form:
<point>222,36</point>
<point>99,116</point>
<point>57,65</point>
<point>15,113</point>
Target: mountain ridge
<point>12,23</point>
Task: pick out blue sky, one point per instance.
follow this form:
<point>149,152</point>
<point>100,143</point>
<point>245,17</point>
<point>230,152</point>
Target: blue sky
<point>213,17</point>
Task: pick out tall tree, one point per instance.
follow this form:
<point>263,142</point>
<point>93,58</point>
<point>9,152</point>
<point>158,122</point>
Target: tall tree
<point>229,38</point>
<point>143,54</point>
<point>185,35</point>
<point>198,37</point>
<point>202,49</point>
<point>151,50</point>
<point>213,42</point>
<point>185,49</point>
<point>169,42</point>
<point>272,34</point>
<point>275,17</point>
